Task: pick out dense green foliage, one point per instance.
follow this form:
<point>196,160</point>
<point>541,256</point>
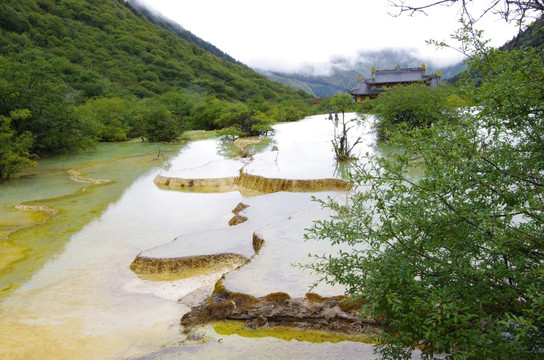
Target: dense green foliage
<point>105,47</point>
<point>414,106</point>
<point>97,70</point>
<point>14,149</point>
<point>452,261</point>
<point>532,37</point>
<point>31,85</point>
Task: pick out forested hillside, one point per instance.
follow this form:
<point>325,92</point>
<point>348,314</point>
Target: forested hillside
<point>532,37</point>
<point>74,72</point>
<point>179,30</point>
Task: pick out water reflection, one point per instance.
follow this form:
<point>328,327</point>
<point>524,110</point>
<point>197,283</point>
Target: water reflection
<point>68,290</point>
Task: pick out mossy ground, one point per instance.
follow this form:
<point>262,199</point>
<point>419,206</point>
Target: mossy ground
<point>199,134</point>
<point>286,333</point>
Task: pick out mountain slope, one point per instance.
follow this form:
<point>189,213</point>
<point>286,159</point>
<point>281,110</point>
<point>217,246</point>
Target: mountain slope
<point>342,72</point>
<point>532,36</point>
<point>318,85</point>
<point>180,31</point>
<point>104,46</point>
<point>74,72</point>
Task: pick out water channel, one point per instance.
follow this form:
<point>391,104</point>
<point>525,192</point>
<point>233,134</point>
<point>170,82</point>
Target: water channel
<point>68,239</point>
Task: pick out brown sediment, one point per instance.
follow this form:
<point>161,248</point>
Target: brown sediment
<point>76,176</point>
<point>258,242</point>
<point>237,219</point>
<point>240,207</point>
<point>255,183</point>
<point>278,310</point>
<point>312,312</point>
<point>186,265</point>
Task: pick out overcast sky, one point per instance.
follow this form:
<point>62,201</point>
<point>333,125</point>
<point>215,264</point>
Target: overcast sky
<point>288,34</point>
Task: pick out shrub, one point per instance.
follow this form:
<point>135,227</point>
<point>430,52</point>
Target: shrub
<point>414,106</point>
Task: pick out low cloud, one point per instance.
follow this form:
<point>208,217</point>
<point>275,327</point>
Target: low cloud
<point>362,62</point>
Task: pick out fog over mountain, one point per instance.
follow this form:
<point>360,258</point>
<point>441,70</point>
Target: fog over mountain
<point>167,24</point>
<point>320,79</point>
<point>340,74</point>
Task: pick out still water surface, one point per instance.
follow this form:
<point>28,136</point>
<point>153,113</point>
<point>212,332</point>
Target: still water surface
<point>66,290</point>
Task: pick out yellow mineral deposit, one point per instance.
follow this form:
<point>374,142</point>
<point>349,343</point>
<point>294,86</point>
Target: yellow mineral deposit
<point>256,183</point>
<point>67,290</point>
<point>186,266</point>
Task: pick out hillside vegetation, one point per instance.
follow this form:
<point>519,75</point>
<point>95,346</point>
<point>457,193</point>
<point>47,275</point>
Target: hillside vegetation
<point>446,226</point>
<point>76,72</point>
<point>531,37</point>
<point>179,30</point>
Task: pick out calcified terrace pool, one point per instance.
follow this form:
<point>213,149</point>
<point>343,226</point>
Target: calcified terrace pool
<point>67,290</point>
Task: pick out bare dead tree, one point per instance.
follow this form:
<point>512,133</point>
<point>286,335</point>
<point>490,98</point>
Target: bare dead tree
<point>339,104</point>
<point>518,11</point>
<point>340,141</point>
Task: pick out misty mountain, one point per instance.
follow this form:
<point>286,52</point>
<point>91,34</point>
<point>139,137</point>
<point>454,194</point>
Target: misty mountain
<point>179,30</point>
<point>532,36</point>
<point>341,73</point>
<point>317,85</point>
<point>108,48</point>
<point>320,80</point>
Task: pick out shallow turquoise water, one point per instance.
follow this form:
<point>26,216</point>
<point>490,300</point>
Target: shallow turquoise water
<point>49,184</point>
<point>66,288</point>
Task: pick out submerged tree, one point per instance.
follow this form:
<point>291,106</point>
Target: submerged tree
<point>340,103</point>
<point>453,263</point>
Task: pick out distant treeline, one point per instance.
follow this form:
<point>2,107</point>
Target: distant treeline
<point>74,72</point>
